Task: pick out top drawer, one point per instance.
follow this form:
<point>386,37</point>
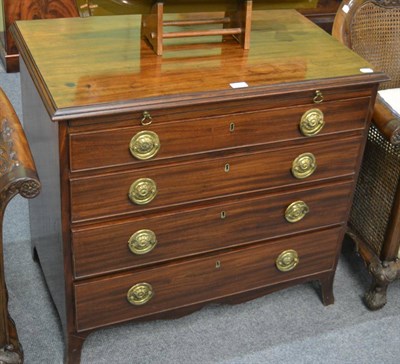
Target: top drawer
<point>162,140</point>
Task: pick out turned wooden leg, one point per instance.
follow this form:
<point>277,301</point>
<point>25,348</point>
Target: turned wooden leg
<point>74,349</point>
<point>326,285</point>
<point>382,274</point>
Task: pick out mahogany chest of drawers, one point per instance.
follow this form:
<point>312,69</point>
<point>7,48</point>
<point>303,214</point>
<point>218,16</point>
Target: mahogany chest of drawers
<point>165,186</point>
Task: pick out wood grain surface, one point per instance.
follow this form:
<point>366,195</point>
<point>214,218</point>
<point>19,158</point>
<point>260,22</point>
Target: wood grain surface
<point>110,147</point>
<point>195,181</point>
<point>104,301</point>
<point>111,69</point>
<point>103,248</point>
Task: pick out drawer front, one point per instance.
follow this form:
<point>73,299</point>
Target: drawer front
<point>104,301</point>
<point>160,141</point>
<point>154,239</point>
<point>154,188</point>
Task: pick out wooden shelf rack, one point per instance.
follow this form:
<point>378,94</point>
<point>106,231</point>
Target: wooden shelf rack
<point>235,22</point>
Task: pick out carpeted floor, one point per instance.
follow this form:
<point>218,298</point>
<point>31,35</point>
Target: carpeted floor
<point>290,326</point>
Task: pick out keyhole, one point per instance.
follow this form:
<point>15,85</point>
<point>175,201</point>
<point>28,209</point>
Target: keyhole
<point>227,167</point>
<point>218,264</point>
<point>223,215</point>
<point>232,127</point>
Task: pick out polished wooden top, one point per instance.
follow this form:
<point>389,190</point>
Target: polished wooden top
<point>97,65</point>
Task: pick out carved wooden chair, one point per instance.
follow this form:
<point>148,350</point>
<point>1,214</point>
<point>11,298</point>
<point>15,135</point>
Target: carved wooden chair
<point>372,29</point>
<point>17,176</point>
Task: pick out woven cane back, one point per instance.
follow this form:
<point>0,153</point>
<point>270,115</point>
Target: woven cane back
<point>375,35</point>
<point>375,190</point>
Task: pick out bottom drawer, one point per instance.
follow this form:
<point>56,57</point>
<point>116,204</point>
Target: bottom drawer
<point>105,301</point>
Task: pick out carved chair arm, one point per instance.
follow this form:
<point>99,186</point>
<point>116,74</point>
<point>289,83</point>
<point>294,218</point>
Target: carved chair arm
<point>17,168</point>
<point>387,121</point>
<point>17,175</point>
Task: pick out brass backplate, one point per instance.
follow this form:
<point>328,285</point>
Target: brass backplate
<point>144,145</point>
<point>304,165</point>
<point>140,293</point>
<point>296,211</point>
<point>287,260</point>
<point>312,122</point>
<point>143,191</point>
<point>142,242</point>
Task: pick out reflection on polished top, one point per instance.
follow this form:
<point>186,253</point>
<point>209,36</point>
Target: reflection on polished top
<point>114,7</point>
<point>98,62</point>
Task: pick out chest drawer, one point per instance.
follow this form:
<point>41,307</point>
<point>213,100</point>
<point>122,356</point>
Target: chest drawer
<point>105,301</point>
<point>153,188</point>
<point>115,246</point>
<point>158,141</point>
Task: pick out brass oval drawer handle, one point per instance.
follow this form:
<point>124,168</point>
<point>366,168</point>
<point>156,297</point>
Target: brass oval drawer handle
<point>312,122</point>
<point>296,211</point>
<point>140,293</point>
<point>287,260</point>
<point>143,191</point>
<point>142,242</point>
<point>144,145</point>
<point>304,165</point>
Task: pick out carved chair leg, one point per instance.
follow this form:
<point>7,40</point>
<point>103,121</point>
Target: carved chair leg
<point>12,353</point>
<point>382,273</point>
<point>9,356</point>
<point>375,297</point>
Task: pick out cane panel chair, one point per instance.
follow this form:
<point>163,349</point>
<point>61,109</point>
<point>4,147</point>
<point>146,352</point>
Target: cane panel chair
<point>372,29</point>
<point>17,176</point>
